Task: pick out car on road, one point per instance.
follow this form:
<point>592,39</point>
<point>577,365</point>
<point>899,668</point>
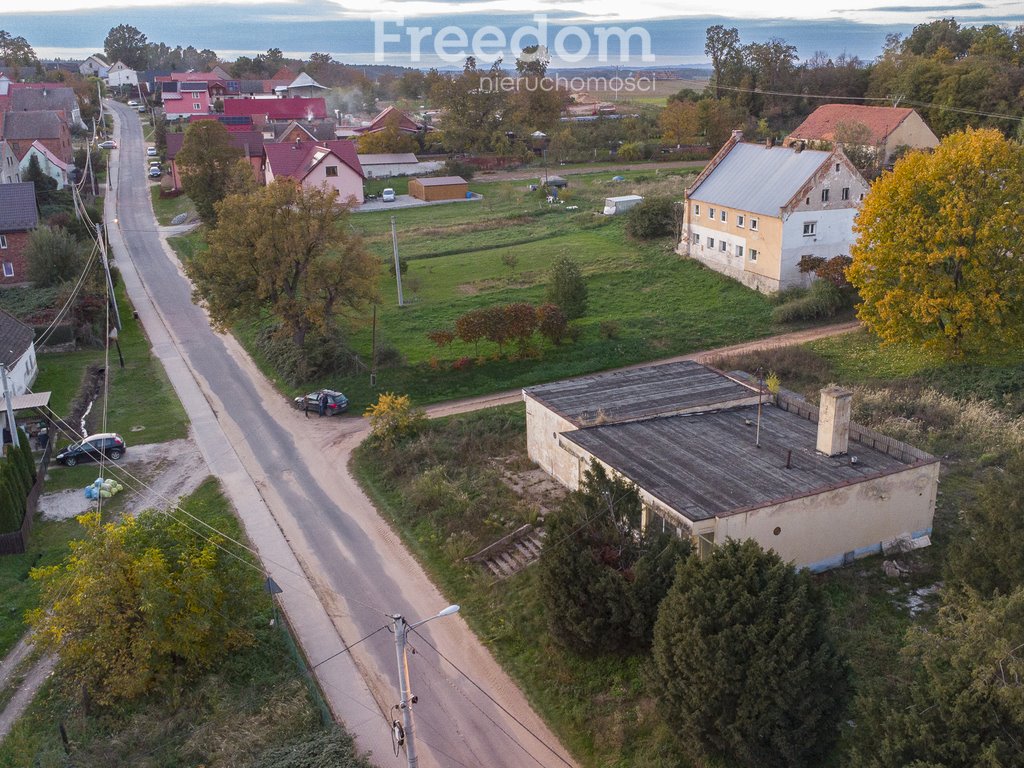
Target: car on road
<point>92,448</point>
<point>388,195</point>
<point>108,144</point>
<point>336,402</point>
<point>133,103</point>
<point>155,172</point>
<point>151,151</point>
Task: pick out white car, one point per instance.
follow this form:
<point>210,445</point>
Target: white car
<point>133,103</point>
<point>151,151</point>
<point>388,195</point>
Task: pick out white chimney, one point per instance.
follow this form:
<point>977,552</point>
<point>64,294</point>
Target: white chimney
<point>834,421</point>
<point>737,135</point>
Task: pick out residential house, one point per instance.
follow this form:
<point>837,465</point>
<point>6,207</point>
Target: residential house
<point>315,164</point>
<point>20,130</point>
<point>715,459</point>
<point>757,211</point>
<point>184,98</point>
<point>383,118</point>
<point>300,131</point>
<point>57,169</point>
<point>302,85</point>
<point>250,143</point>
<point>382,166</point>
<point>264,111</point>
<point>18,217</point>
<point>232,124</point>
<point>10,166</point>
<point>881,130</point>
<point>18,353</point>
<point>37,97</point>
<point>94,66</point>
<point>120,74</point>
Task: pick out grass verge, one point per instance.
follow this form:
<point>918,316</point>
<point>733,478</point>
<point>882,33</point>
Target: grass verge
<point>166,208</point>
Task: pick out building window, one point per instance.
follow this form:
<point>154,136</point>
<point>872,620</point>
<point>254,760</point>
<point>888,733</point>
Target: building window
<point>753,224</point>
<point>331,170</point>
<point>722,246</point>
<point>810,227</point>
<point>197,106</point>
<point>8,269</point>
<point>739,220</point>
<point>837,167</point>
<point>696,210</point>
<point>824,195</point>
<point>861,196</point>
<point>845,194</point>
<point>725,217</point>
<point>753,255</point>
<point>696,239</point>
<point>711,213</point>
<point>3,241</point>
<point>711,242</point>
<point>739,251</point>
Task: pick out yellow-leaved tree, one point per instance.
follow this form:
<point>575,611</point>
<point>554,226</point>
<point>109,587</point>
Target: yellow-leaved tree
<point>393,417</point>
<point>938,259</point>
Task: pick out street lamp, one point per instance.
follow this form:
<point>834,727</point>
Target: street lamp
<point>403,732</point>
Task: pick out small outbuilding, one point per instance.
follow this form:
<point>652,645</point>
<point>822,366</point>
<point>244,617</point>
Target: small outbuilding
<point>621,204</point>
<point>555,181</point>
<point>437,188</point>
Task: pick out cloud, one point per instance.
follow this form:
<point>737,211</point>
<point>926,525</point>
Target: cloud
<point>923,8</point>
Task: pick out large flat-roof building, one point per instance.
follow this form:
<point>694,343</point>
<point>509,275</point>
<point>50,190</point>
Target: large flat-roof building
<point>711,465</point>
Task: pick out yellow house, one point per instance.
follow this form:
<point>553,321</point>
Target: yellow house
<point>715,459</point>
<point>757,211</point>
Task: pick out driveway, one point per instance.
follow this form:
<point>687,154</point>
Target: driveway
<point>408,201</point>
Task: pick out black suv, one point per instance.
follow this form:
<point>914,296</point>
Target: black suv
<point>336,402</point>
<point>92,447</point>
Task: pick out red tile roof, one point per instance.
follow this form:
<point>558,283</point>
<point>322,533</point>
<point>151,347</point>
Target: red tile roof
<point>296,159</point>
<point>278,109</point>
<point>405,123</point>
<point>821,124</point>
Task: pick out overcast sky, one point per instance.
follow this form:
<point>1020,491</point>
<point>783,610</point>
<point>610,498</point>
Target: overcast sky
<point>870,11</point>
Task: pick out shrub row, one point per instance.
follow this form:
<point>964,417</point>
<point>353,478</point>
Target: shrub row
<point>17,475</point>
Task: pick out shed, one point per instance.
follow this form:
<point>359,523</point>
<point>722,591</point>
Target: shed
<point>555,181</point>
<point>614,205</point>
<point>439,188</point>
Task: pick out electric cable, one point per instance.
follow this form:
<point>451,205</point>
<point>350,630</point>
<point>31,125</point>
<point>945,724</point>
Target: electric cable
<point>348,648</point>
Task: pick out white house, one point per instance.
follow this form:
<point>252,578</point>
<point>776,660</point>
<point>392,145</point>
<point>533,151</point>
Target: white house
<point>18,353</point>
<point>121,74</point>
<point>714,459</point>
<point>93,66</point>
<point>757,211</point>
<point>49,164</point>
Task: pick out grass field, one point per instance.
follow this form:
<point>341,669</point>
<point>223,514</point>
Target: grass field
<point>244,712</point>
<point>645,302</point>
<point>166,208</point>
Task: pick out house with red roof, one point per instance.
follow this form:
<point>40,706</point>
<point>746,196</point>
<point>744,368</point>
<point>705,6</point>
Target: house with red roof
<point>882,130</point>
<point>334,164</point>
<point>263,111</point>
<point>249,142</point>
<point>405,123</point>
<point>184,98</point>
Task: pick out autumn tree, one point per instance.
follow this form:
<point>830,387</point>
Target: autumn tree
<point>566,287</point>
<point>679,122</point>
<point>552,323</point>
<point>287,249</point>
<point>387,140</point>
<point>744,667</point>
<point>126,43</point>
<point>54,256</point>
<point>139,606</point>
<point>393,417</point>
<point>938,259</point>
<point>205,162</point>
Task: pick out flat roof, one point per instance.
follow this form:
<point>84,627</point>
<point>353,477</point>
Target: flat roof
<point>639,393</point>
<point>440,181</point>
<point>704,465</point>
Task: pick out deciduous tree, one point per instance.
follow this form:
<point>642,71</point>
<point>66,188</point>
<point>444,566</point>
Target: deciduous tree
<point>289,250</point>
<point>566,287</point>
<point>393,417</point>
<point>744,667</point>
<point>54,256</point>
<point>126,43</point>
<point>679,122</point>
<point>939,258</point>
<point>205,162</point>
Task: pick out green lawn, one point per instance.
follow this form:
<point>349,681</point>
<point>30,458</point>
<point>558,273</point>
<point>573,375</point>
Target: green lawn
<point>166,208</point>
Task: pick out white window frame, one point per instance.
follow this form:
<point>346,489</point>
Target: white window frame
<point>328,169</point>
<point>8,269</point>
<point>3,242</point>
<point>711,242</point>
<point>725,217</point>
<point>739,220</point>
<point>753,224</point>
<point>845,194</point>
<point>711,213</point>
<point>196,105</point>
<point>739,251</point>
<point>824,194</point>
<point>753,254</point>
<point>696,209</point>
<point>810,228</point>
<point>696,238</point>
<point>723,246</point>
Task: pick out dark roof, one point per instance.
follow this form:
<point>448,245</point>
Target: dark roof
<point>35,99</point>
<point>193,86</point>
<point>46,124</point>
<point>247,141</point>
<point>296,159</point>
<point>18,207</point>
<point>639,393</point>
<point>15,336</point>
<point>169,86</point>
<point>706,464</point>
<point>318,131</point>
<point>441,181</point>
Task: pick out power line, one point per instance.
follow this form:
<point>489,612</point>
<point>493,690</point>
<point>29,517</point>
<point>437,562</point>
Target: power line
<point>348,648</point>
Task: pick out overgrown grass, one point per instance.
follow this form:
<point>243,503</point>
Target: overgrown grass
<point>24,302</point>
<point>166,208</point>
<point>255,701</point>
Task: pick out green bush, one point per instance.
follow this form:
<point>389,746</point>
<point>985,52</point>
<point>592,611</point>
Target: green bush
<point>652,218</point>
<point>566,288</point>
<point>822,301</point>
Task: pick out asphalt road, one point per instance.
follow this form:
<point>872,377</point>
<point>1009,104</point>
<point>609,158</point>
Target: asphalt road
<point>361,570</point>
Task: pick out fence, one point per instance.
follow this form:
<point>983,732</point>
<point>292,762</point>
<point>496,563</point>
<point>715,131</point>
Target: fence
<point>16,542</point>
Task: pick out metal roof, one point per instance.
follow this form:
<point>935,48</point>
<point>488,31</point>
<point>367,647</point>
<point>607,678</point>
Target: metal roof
<point>440,181</point>
<point>30,400</point>
<point>388,159</point>
<point>706,464</point>
<point>759,179</point>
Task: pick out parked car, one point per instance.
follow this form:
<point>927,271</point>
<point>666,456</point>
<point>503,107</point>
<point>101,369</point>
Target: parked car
<point>336,402</point>
<point>142,109</point>
<point>133,103</point>
<point>90,449</point>
<point>151,151</point>
<point>155,172</point>
<point>388,195</point>
<point>108,144</point>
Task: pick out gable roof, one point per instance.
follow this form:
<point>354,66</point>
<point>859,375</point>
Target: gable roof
<point>305,81</point>
<point>250,142</point>
<point>315,131</point>
<point>284,74</point>
<point>821,124</point>
<point>15,336</point>
<point>755,178</point>
<point>405,123</point>
<point>35,99</point>
<point>42,149</point>
<point>43,124</point>
<point>296,159</point>
<point>278,109</point>
<point>18,207</point>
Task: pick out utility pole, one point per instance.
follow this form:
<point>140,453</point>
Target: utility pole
<point>11,427</point>
<point>403,732</point>
<point>398,265</point>
<point>373,350</point>
<point>112,298</point>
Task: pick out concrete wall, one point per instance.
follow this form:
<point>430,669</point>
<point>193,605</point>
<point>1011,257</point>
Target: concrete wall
<point>818,531</point>
<point>912,132</point>
<point>542,443</point>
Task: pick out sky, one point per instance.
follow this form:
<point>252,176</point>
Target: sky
<point>380,31</point>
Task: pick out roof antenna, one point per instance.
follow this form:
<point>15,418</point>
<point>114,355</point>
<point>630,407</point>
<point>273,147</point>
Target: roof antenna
<point>760,394</point>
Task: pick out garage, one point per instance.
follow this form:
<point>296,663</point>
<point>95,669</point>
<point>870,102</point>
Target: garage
<point>436,188</point>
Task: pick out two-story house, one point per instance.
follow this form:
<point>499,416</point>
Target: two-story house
<point>757,210</point>
<point>882,131</point>
<point>20,130</point>
<point>334,164</point>
<point>184,98</point>
<point>18,217</point>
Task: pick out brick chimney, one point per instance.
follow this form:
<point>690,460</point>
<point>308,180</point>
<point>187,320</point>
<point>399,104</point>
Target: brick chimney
<point>834,421</point>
